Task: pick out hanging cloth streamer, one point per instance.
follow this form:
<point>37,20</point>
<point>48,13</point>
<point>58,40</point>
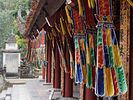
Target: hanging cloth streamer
<point>90,61</point>
<point>91,4</point>
<point>109,71</point>
<point>119,66</point>
<point>130,2</point>
<point>99,89</point>
<point>82,42</point>
<point>72,69</point>
<point>62,26</point>
<point>78,67</point>
<point>67,8</point>
<point>81,8</point>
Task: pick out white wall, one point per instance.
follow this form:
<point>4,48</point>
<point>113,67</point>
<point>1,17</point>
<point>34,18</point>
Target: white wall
<point>11,61</point>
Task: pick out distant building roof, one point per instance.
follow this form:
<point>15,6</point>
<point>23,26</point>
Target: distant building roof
<point>11,39</point>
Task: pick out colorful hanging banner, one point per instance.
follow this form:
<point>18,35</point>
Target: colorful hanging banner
<point>110,77</point>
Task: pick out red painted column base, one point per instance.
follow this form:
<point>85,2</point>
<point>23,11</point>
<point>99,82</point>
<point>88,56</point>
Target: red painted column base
<point>68,86</point>
<point>90,95</point>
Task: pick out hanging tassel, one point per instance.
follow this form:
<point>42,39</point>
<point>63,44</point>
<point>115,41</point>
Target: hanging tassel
<point>63,29</point>
<point>115,81</point>
<point>83,57</point>
<point>93,4</point>
<point>68,30</point>
<point>62,26</point>
<point>130,2</point>
<point>67,8</point>
<point>81,9</point>
<point>90,61</point>
<point>89,3</point>
<point>112,61</point>
<point>121,79</point>
<point>119,69</point>
<point>78,67</point>
<point>100,64</point>
<point>56,26</point>
<point>100,82</point>
<point>71,66</point>
<point>88,66</point>
<point>109,87</point>
<point>92,54</point>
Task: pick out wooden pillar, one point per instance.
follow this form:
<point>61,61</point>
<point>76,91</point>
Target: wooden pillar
<point>49,61</point>
<point>53,78</point>
<point>131,58</point>
<point>68,86</point>
<point>68,81</point>
<point>43,72</point>
<point>57,69</point>
<point>125,41</point>
<point>47,56</point>
<point>90,94</point>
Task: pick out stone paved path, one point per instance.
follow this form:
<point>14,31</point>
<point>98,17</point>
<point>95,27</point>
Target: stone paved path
<point>34,89</point>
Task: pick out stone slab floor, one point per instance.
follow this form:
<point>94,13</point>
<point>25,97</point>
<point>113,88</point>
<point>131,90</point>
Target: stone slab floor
<point>35,89</point>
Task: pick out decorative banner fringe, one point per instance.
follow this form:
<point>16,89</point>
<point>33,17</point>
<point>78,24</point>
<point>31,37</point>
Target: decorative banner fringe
<point>81,8</point>
<point>62,26</point>
<point>83,57</point>
<point>78,67</point>
<point>99,89</point>
<point>130,2</point>
<point>109,86</point>
<point>67,8</point>
<point>119,67</point>
<point>91,4</point>
<point>88,67</point>
<point>110,78</point>
<point>90,61</point>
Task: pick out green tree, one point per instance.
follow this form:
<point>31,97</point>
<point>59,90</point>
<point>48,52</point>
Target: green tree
<point>8,18</point>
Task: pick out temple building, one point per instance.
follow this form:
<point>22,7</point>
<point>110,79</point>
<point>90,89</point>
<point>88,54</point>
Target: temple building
<point>83,44</point>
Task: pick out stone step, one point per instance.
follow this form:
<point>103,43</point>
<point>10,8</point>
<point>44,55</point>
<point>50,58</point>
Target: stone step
<point>20,92</point>
<point>3,95</point>
<point>8,93</point>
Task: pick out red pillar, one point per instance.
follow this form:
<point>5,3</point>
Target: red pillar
<point>53,78</point>
<point>90,94</point>
<point>49,61</point>
<point>57,69</point>
<point>43,72</point>
<point>68,86</point>
<point>68,81</point>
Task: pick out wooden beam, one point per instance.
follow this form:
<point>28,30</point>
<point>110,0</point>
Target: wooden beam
<point>34,16</point>
<point>52,7</point>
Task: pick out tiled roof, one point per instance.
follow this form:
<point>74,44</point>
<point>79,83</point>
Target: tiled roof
<point>32,14</point>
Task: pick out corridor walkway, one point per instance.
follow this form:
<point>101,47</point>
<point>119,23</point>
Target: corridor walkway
<point>34,89</point>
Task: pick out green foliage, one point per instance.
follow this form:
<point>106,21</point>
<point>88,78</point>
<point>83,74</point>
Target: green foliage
<point>20,41</point>
<point>21,44</point>
<point>8,15</point>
